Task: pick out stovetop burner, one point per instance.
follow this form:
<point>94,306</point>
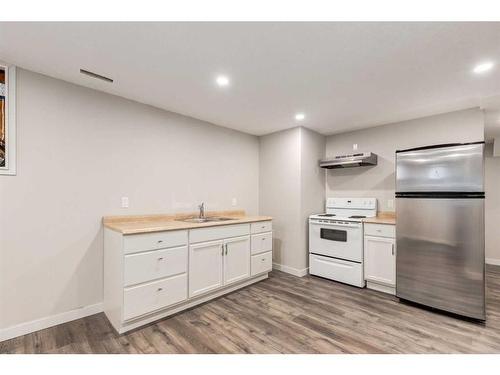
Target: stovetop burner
<point>357,217</point>
<point>327,215</point>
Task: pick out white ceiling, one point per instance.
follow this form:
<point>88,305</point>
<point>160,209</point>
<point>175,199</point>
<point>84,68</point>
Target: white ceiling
<point>342,75</point>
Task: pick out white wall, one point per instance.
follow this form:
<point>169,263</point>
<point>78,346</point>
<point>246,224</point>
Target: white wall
<point>313,147</point>
<point>79,152</point>
<point>279,193</point>
<point>379,181</point>
<point>492,207</point>
<point>291,188</point>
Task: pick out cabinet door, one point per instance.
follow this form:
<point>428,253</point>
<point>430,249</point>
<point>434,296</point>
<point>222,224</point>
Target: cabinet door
<point>205,267</point>
<point>236,259</point>
<point>380,260</point>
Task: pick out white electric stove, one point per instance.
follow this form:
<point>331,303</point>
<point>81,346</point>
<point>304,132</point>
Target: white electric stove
<point>336,239</point>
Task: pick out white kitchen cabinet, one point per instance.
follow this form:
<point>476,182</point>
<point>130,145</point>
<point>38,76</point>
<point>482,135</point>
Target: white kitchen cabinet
<point>218,263</point>
<point>205,267</point>
<point>236,259</point>
<point>148,276</point>
<point>143,273</point>
<point>380,258</point>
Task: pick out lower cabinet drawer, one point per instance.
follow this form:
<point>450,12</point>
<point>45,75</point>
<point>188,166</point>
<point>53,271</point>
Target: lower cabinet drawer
<point>261,243</point>
<point>261,227</point>
<point>336,269</point>
<point>154,265</point>
<point>380,230</point>
<point>262,263</point>
<point>146,298</point>
<point>133,243</point>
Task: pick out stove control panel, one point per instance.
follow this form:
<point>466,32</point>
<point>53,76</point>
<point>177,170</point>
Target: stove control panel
<point>353,203</point>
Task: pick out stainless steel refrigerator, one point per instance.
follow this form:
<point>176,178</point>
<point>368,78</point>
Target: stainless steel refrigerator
<point>440,227</point>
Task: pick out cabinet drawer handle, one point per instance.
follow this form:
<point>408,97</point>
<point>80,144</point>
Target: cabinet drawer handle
<point>160,289</point>
<point>160,241</point>
<point>263,259</point>
<point>263,238</point>
<point>160,259</point>
<point>392,249</point>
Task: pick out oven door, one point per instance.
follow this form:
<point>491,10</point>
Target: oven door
<point>343,241</point>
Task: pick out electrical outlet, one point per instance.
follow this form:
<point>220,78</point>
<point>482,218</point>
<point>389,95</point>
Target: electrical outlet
<point>234,202</point>
<point>390,203</point>
<point>124,202</point>
<point>355,146</point>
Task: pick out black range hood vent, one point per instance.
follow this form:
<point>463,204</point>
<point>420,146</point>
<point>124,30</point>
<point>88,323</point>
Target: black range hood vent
<point>348,161</point>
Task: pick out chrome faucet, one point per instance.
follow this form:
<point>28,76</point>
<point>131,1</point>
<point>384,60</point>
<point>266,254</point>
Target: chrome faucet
<point>201,207</point>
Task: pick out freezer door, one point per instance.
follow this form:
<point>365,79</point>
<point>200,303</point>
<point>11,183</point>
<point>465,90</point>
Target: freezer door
<point>450,169</point>
<point>440,254</point>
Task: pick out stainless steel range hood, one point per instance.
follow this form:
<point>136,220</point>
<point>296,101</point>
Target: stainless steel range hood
<point>348,161</point>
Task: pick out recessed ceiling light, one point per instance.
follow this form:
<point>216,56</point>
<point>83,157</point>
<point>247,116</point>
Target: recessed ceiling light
<point>222,81</point>
<point>300,116</point>
<point>483,67</point>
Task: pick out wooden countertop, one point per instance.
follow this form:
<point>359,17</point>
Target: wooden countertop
<point>158,223</point>
<point>382,218</point>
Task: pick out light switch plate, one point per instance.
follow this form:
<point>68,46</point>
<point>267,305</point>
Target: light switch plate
<point>124,202</point>
<point>234,202</point>
<point>355,146</point>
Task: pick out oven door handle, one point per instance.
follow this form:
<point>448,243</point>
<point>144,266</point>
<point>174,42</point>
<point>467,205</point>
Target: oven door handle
<point>336,224</point>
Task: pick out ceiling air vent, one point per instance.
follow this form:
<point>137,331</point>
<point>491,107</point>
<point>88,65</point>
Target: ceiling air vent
<point>95,75</point>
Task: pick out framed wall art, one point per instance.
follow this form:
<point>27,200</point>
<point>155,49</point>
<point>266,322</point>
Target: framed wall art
<point>7,119</point>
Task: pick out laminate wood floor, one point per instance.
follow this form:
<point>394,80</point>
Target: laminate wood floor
<point>285,314</point>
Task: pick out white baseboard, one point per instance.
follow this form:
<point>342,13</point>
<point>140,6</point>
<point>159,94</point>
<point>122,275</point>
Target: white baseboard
<point>493,261</point>
<point>292,271</point>
<point>49,321</point>
<point>380,287</point>
<point>300,273</point>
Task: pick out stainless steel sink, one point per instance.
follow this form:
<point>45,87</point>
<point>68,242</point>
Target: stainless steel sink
<point>219,218</point>
<point>194,220</point>
<point>205,219</point>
